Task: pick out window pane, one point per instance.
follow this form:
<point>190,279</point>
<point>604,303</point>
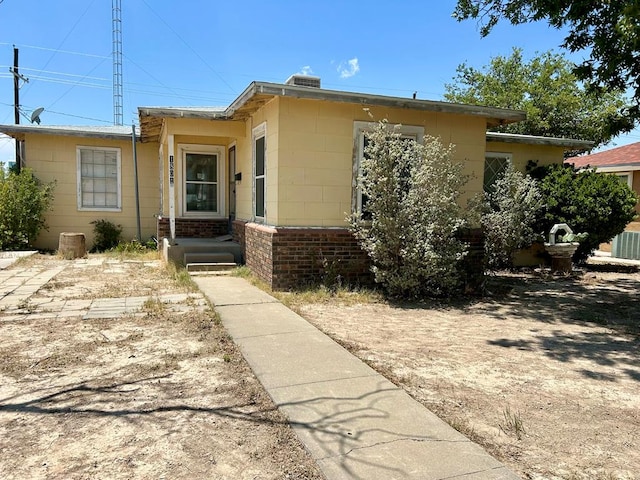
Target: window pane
<point>494,167</point>
<point>111,185</point>
<point>87,185</point>
<point>99,185</point>
<point>259,156</point>
<point>87,199</point>
<point>624,178</point>
<point>201,167</point>
<point>202,197</point>
<point>99,178</point>
<point>99,200</point>
<point>260,197</point>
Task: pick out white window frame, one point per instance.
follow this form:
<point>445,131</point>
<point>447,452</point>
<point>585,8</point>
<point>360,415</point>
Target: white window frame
<point>415,132</point>
<point>618,171</point>
<point>504,155</point>
<point>219,150</point>
<point>256,133</point>
<point>118,207</point>
<point>629,176</point>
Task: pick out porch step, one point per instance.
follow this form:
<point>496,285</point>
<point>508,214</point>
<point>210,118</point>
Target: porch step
<point>210,267</point>
<point>209,257</point>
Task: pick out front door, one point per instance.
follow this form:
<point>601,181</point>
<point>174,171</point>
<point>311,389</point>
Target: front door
<point>232,187</point>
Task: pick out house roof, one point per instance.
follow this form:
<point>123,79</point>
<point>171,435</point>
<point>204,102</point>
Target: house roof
<point>538,140</point>
<point>625,157</point>
<point>259,93</point>
<point>111,132</point>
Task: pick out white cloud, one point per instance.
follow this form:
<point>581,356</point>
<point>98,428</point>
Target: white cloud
<point>306,70</point>
<point>350,69</point>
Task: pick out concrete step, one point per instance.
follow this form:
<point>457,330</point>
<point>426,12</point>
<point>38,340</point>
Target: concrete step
<point>208,257</point>
<point>201,250</point>
<point>210,267</point>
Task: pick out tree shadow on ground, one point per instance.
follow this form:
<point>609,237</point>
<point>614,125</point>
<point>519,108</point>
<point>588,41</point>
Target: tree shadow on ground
<point>580,299</point>
<point>583,298</point>
<point>102,397</point>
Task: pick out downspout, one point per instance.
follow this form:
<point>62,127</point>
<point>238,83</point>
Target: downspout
<point>135,176</point>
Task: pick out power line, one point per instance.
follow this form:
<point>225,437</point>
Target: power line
<point>65,37</point>
<point>189,46</point>
<point>57,50</point>
<point>74,85</point>
<point>27,107</point>
<point>64,74</point>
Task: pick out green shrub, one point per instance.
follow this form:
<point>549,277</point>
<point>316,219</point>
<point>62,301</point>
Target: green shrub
<point>23,203</point>
<point>412,193</point>
<point>135,247</point>
<point>509,214</point>
<point>594,203</point>
<point>106,235</point>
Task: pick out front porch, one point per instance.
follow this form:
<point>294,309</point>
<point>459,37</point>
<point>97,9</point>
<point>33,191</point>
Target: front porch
<point>198,254</point>
<point>199,244</point>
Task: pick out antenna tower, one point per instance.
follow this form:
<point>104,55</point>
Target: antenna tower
<point>116,15</point>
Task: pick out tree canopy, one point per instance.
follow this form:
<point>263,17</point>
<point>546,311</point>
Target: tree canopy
<point>610,30</point>
<point>556,102</point>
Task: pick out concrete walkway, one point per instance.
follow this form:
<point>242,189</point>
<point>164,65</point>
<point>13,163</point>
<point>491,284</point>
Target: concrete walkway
<point>20,301</point>
<point>355,423</point>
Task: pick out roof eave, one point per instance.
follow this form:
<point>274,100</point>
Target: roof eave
<point>181,113</point>
<point>495,116</point>
<point>538,140</point>
<point>18,132</point>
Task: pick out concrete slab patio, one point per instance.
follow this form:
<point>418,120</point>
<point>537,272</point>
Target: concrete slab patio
<point>355,423</point>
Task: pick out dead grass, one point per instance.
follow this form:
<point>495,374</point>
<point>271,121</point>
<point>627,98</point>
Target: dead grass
<point>314,294</point>
<point>543,374</point>
<point>162,394</point>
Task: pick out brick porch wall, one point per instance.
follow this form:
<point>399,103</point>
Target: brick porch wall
<point>286,258</point>
<point>474,262</point>
<point>193,227</point>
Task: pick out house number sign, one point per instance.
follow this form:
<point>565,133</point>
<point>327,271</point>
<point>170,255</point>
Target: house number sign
<point>170,169</point>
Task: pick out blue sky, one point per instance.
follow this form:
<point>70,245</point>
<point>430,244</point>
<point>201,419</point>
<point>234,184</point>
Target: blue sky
<point>204,53</point>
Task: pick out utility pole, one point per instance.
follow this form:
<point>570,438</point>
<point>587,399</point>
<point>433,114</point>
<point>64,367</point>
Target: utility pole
<point>16,105</point>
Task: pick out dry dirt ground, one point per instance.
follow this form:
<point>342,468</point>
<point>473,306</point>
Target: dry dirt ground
<point>161,393</point>
<point>545,373</point>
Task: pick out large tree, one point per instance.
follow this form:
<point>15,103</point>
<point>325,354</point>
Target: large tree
<point>608,30</point>
<point>556,102</point>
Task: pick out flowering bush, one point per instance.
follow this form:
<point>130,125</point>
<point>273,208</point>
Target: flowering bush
<point>510,211</point>
<point>413,215</point>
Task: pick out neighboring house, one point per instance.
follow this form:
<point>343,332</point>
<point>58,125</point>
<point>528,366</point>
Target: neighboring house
<point>624,163</point>
<point>277,169</point>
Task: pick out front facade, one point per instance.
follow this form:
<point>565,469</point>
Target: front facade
<point>277,170</point>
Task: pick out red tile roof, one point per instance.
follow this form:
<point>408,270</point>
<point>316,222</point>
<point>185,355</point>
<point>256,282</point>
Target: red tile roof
<point>627,155</point>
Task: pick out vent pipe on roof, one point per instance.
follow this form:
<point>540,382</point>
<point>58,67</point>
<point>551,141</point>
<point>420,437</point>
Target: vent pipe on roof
<point>303,81</point>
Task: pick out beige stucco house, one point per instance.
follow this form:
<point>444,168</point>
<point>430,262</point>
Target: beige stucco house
<point>276,169</point>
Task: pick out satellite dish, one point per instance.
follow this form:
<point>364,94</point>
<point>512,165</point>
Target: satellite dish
<point>35,116</point>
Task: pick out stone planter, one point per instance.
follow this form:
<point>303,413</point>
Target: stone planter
<point>561,253</point>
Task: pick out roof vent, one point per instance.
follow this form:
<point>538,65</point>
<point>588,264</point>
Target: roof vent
<point>303,81</point>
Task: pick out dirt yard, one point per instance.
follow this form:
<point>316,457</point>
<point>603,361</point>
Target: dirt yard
<point>545,373</point>
<point>157,393</point>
